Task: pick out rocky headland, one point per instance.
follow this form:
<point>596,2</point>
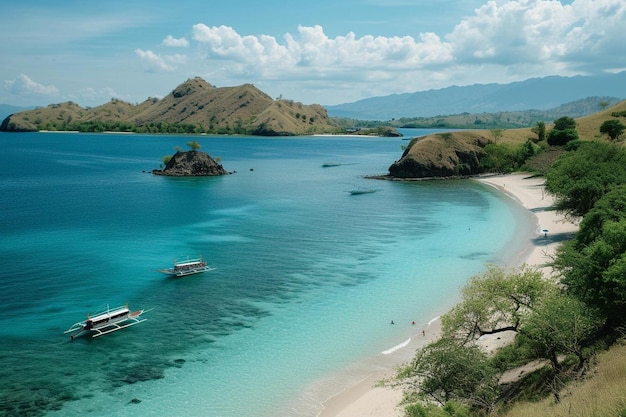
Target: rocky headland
<point>468,153</point>
<point>441,155</point>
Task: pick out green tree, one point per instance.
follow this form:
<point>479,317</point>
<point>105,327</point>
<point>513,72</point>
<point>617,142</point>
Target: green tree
<point>564,123</point>
<point>613,128</point>
<point>580,178</point>
<point>495,302</point>
<point>561,324</point>
<point>446,371</point>
<point>540,130</point>
<point>525,151</point>
<point>497,134</point>
<point>564,131</point>
<point>610,207</point>
<point>593,266</point>
<point>498,158</point>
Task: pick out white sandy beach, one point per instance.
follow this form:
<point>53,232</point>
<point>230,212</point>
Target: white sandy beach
<point>365,398</point>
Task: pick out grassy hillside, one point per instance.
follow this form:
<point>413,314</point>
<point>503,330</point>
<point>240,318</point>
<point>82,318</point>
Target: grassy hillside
<point>193,107</point>
<point>451,154</point>
<point>501,120</point>
<point>602,393</point>
<point>589,126</point>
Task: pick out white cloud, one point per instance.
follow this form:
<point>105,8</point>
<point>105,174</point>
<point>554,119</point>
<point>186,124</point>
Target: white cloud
<point>313,52</point>
<point>24,86</point>
<point>177,43</point>
<point>542,33</point>
<point>502,41</point>
<point>97,95</point>
<point>524,37</point>
<point>158,63</point>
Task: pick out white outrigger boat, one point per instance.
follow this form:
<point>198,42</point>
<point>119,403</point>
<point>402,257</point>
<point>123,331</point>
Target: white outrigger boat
<point>108,321</point>
<point>187,267</point>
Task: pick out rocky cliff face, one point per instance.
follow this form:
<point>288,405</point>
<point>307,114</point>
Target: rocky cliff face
<point>444,155</point>
<point>191,164</point>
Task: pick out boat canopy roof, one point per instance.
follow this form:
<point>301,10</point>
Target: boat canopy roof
<point>108,313</point>
<point>189,262</point>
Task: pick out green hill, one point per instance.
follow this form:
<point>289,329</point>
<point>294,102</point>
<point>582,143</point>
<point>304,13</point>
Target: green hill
<point>463,153</point>
<point>193,107</point>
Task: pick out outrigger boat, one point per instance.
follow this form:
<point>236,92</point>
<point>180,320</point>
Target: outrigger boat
<point>108,321</point>
<point>188,267</point>
<point>362,191</point>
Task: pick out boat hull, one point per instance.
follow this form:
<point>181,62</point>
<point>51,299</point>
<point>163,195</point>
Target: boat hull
<point>106,322</point>
<point>188,267</point>
<point>175,273</point>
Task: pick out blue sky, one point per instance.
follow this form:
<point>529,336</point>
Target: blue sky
<point>316,51</point>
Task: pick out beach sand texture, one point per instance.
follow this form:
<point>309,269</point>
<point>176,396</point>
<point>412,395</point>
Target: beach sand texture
<point>367,399</point>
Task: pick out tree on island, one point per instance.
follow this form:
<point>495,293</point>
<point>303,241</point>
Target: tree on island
<point>166,160</point>
<point>194,145</point>
<point>190,163</point>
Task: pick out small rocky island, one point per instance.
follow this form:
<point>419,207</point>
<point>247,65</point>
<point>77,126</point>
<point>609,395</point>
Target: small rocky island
<point>193,163</point>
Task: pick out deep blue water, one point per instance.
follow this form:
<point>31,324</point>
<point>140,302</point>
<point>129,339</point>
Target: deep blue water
<point>307,276</point>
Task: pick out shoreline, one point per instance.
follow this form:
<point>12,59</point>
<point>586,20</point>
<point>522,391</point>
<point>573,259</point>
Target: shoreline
<point>367,399</point>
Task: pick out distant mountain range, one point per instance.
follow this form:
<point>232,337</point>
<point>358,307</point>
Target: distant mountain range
<point>533,94</point>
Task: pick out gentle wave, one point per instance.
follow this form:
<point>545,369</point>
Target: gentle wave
<point>397,347</point>
<point>406,342</point>
<point>433,320</point>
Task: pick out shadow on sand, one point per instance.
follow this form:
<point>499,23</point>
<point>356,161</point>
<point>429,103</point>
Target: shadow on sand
<point>549,238</point>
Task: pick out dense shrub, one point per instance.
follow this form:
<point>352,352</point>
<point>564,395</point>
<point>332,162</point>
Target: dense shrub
<point>563,132</point>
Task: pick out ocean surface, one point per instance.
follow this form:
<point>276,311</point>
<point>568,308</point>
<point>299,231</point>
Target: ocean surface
<point>308,277</point>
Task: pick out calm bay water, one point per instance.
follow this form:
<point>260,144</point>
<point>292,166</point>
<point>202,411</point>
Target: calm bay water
<point>307,279</point>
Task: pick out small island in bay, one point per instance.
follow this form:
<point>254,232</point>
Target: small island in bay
<point>192,163</point>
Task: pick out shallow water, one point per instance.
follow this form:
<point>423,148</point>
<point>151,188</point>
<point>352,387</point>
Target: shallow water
<point>307,280</point>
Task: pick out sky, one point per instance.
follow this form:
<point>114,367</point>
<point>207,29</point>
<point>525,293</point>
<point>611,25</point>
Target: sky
<point>316,51</point>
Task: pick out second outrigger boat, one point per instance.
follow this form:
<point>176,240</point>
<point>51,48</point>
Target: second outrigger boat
<point>108,321</point>
<point>360,191</point>
<point>187,267</point>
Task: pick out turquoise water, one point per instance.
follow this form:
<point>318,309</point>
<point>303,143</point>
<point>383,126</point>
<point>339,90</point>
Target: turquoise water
<point>307,278</point>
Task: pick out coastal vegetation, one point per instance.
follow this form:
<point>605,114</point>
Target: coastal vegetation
<point>565,327</point>
<point>475,152</point>
<point>613,128</point>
